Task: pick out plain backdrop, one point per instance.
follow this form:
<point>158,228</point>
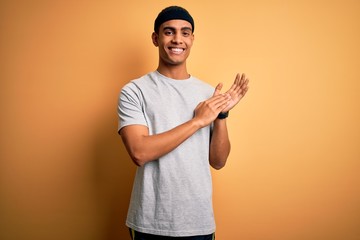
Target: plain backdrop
<point>293,172</point>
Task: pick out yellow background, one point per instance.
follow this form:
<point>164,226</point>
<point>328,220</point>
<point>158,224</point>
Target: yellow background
<point>293,172</point>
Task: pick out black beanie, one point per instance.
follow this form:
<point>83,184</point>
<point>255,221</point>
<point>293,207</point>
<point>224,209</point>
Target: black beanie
<point>170,13</point>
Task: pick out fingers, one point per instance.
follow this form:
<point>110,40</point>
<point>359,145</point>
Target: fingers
<point>217,102</point>
<point>238,88</point>
<point>237,83</point>
<point>244,81</point>
<point>244,85</point>
<point>208,110</point>
<point>219,97</point>
<point>240,83</point>
<point>238,78</point>
<point>218,89</point>
<point>220,102</point>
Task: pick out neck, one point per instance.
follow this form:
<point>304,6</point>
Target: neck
<point>178,72</point>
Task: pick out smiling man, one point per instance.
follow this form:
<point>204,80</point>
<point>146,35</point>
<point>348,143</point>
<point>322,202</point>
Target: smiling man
<point>173,126</point>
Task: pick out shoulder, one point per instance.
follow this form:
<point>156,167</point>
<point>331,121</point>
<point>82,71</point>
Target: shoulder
<point>203,85</point>
<point>201,82</point>
<point>138,81</point>
<point>137,84</point>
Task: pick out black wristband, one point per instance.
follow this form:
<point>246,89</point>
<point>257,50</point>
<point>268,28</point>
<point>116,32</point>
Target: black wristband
<point>223,115</point>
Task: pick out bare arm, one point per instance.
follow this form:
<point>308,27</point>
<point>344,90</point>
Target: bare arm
<point>143,147</point>
<point>220,143</point>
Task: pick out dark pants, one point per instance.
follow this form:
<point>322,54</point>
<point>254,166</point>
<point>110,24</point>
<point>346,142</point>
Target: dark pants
<point>144,236</point>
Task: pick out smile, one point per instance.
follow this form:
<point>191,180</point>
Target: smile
<point>176,50</point>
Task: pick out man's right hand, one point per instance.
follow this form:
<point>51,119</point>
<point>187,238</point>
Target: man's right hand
<point>207,111</point>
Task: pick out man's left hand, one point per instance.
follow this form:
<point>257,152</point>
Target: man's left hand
<point>236,92</point>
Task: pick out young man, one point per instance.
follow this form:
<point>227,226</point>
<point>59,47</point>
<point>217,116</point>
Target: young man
<point>174,127</point>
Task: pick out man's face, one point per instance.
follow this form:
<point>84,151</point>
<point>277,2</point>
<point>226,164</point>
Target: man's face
<point>174,40</point>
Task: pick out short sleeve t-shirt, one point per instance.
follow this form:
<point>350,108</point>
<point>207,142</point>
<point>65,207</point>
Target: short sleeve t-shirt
<point>172,195</point>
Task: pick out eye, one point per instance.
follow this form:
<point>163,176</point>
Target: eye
<point>168,32</point>
<point>186,33</point>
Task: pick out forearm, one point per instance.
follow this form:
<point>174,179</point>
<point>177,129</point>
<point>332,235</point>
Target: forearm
<point>143,147</point>
<point>219,145</point>
<point>146,148</point>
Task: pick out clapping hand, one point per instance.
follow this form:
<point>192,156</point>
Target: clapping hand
<point>236,92</point>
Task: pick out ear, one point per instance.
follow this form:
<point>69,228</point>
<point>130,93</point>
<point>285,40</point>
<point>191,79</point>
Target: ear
<point>155,38</point>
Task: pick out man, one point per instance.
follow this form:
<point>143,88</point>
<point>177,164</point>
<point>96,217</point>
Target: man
<point>173,127</point>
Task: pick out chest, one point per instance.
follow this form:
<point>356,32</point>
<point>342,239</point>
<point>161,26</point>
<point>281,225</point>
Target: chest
<point>169,106</point>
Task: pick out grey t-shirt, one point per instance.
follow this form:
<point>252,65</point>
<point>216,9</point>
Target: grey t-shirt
<point>172,195</point>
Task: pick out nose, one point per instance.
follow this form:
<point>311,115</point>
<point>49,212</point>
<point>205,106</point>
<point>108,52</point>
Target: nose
<point>177,38</point>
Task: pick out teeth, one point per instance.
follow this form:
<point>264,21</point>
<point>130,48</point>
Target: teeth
<point>177,50</point>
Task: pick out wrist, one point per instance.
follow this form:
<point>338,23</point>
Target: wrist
<point>196,123</point>
<point>223,115</point>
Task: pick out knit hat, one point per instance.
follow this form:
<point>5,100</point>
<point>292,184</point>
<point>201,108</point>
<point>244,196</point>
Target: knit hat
<point>170,13</point>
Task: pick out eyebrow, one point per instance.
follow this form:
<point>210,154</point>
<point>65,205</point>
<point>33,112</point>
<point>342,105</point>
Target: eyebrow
<point>173,29</point>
